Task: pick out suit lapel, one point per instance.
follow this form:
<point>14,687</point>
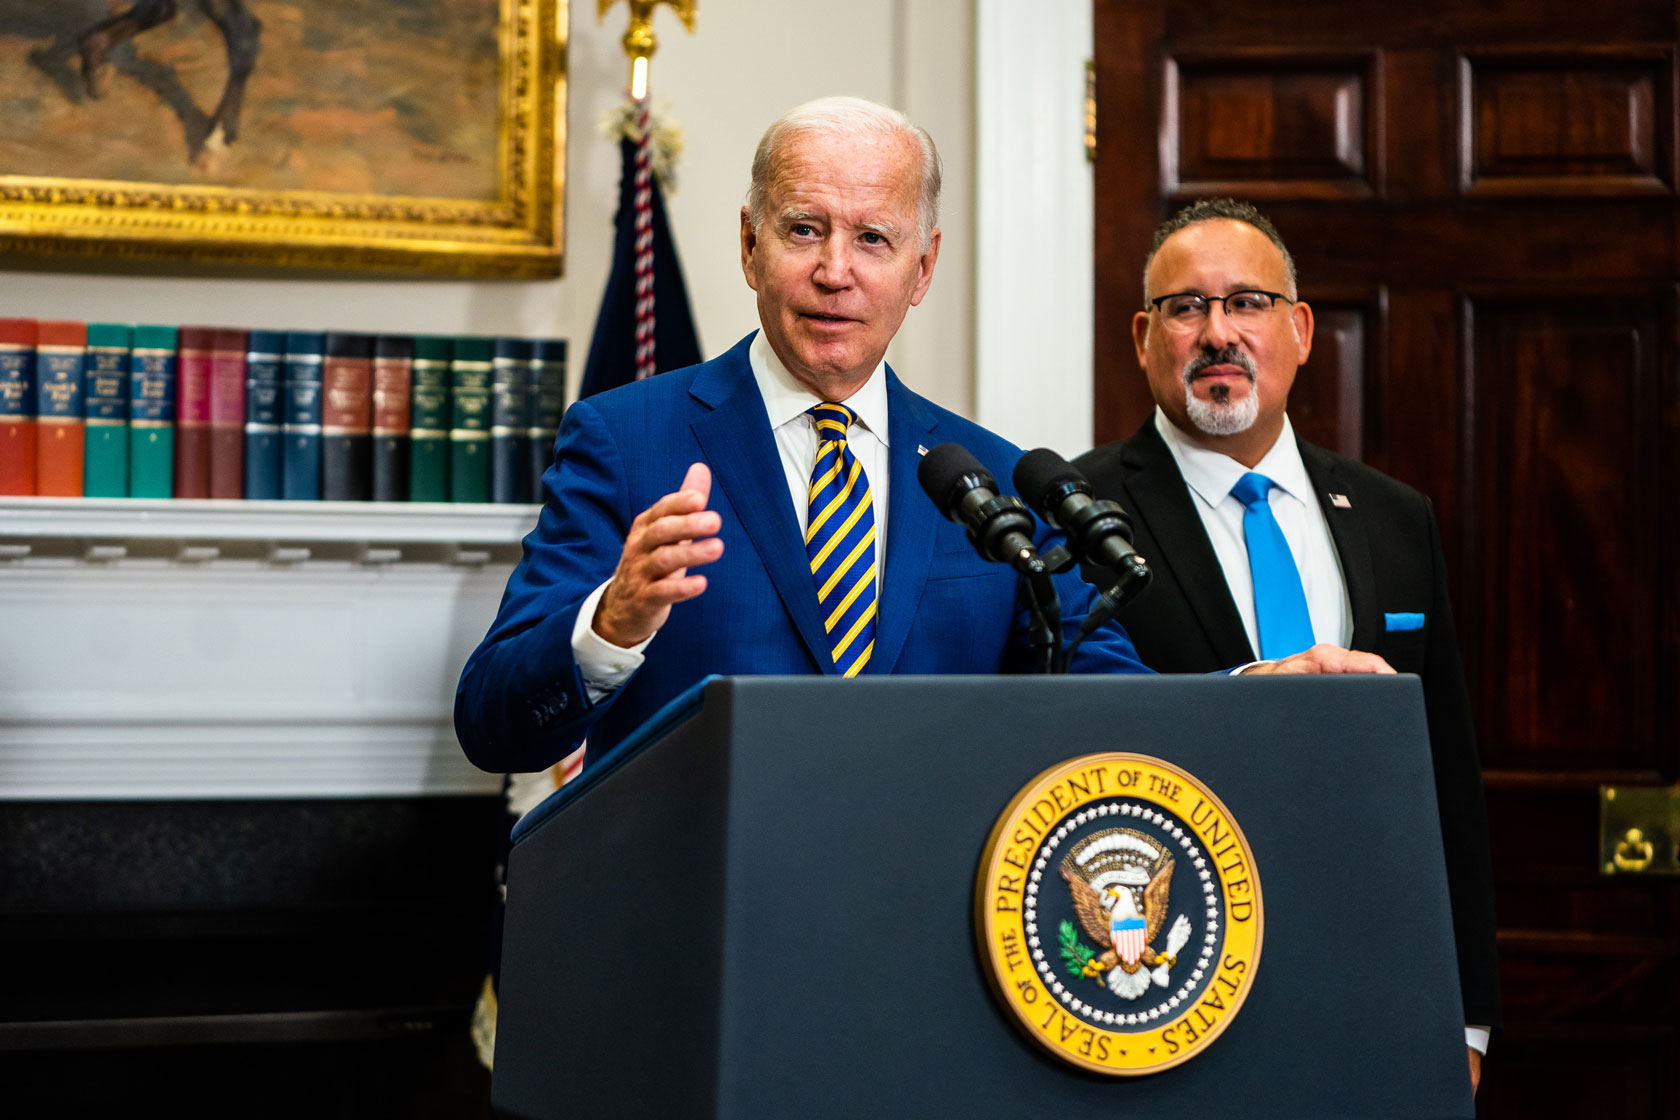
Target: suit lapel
<point>1160,498</point>
<point>1347,529</point>
<point>735,436</point>
<point>910,524</point>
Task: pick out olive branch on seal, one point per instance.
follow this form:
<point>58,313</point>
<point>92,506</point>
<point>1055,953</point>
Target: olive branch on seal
<point>1074,951</point>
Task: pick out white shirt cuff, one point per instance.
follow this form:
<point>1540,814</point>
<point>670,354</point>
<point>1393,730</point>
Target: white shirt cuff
<point>1477,1038</point>
<point>603,666</point>
<point>1241,669</point>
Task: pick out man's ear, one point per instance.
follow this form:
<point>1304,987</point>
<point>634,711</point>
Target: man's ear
<point>749,242</point>
<point>1140,336</point>
<point>1301,318</point>
<point>924,275</point>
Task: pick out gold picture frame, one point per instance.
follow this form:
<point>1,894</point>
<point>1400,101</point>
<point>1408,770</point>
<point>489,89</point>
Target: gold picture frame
<point>513,230</point>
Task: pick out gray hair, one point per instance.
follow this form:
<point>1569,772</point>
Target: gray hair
<point>844,117</point>
<point>1207,210</point>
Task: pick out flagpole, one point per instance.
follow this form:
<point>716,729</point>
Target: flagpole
<point>639,44</point>
<point>639,41</point>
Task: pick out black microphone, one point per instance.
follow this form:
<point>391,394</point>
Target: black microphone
<point>1099,532</point>
<point>1000,526</point>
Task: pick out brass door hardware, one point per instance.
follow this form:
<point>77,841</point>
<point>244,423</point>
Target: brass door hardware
<point>1637,830</point>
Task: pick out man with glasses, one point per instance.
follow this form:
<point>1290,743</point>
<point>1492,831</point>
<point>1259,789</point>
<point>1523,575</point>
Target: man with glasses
<point>1264,546</point>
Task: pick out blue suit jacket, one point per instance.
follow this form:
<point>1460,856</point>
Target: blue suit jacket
<point>521,704</point>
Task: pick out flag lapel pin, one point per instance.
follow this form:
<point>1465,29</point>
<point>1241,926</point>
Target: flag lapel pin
<point>1340,501</point>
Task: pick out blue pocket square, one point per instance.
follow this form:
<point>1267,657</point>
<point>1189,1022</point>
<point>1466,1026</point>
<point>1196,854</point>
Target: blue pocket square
<point>1403,620</point>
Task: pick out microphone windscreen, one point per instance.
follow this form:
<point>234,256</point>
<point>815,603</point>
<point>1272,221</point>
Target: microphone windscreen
<point>944,467</point>
<point>1041,472</point>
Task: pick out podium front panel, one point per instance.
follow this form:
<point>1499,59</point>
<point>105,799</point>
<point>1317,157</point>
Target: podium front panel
<point>830,833</point>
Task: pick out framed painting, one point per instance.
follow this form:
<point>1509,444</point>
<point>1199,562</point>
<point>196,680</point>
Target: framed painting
<point>407,135</point>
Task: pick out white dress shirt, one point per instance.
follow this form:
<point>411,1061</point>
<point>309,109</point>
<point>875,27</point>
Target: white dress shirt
<point>786,402</point>
<point>1210,476</point>
<point>604,666</point>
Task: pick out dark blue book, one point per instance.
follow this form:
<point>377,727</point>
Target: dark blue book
<point>545,401</point>
<point>509,443</point>
<point>347,418</point>
<point>265,361</point>
<point>300,418</point>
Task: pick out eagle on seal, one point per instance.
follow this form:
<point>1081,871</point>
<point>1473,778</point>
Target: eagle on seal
<point>1109,917</point>
<point>1103,924</point>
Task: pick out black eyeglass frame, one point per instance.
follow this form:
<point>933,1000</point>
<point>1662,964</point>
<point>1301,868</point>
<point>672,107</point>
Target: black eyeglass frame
<point>1275,296</point>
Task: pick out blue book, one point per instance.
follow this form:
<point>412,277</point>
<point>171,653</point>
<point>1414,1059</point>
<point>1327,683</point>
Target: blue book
<point>300,418</point>
<point>509,371</point>
<point>265,360</point>
<point>545,400</point>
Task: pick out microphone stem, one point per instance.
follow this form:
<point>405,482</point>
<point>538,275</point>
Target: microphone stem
<point>1045,608</point>
<point>1132,580</point>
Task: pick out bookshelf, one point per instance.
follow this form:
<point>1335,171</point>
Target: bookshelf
<point>178,649</point>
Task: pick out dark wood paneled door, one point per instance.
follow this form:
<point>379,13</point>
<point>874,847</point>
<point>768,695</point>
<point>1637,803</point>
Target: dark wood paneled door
<point>1481,200</point>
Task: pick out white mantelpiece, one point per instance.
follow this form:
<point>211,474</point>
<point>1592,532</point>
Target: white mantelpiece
<point>201,649</point>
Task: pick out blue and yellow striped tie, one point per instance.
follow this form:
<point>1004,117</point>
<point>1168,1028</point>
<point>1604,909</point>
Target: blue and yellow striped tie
<point>840,540</point>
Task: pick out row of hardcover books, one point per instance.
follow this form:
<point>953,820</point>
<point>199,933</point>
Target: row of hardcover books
<point>115,411</point>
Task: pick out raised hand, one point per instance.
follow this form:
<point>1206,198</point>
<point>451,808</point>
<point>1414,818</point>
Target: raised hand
<point>665,541</point>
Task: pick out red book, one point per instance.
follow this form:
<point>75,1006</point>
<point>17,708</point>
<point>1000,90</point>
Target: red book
<point>192,413</point>
<point>17,406</point>
<point>60,420</point>
<point>227,415</point>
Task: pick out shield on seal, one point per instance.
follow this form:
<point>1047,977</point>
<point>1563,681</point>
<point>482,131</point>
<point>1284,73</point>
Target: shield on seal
<point>1126,926</point>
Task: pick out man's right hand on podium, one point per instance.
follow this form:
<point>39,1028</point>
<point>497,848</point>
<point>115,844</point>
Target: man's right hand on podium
<point>666,539</point>
<point>1322,659</point>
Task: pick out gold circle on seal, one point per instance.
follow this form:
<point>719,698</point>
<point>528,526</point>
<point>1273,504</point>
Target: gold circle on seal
<point>1089,1034</point>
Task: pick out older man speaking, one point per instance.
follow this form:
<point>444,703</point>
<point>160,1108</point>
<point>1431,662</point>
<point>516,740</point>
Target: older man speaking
<point>797,540</point>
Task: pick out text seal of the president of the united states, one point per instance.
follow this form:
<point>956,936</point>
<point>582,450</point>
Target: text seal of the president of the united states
<point>1119,914</point>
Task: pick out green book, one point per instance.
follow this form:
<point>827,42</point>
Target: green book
<point>429,419</point>
<point>151,413</point>
<point>105,392</point>
<point>469,428</point>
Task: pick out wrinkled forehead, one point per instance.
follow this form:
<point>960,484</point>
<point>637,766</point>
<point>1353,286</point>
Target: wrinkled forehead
<point>879,170</point>
<point>1215,257</point>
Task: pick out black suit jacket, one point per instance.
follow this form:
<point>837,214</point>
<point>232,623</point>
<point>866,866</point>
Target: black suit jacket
<point>1185,621</point>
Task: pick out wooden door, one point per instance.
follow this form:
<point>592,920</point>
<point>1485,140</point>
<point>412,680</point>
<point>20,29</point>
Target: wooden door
<point>1481,201</point>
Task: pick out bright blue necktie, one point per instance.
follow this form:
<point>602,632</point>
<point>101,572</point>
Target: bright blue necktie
<point>1280,606</point>
<point>840,540</point>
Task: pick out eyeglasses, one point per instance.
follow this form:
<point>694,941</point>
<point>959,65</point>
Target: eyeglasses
<point>1188,310</point>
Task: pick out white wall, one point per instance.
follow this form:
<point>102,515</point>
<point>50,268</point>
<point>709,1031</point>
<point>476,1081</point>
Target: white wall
<point>748,61</point>
<point>1033,305</point>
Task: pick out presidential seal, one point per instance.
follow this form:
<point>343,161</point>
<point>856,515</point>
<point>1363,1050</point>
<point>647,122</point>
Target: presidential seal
<point>1118,913</point>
